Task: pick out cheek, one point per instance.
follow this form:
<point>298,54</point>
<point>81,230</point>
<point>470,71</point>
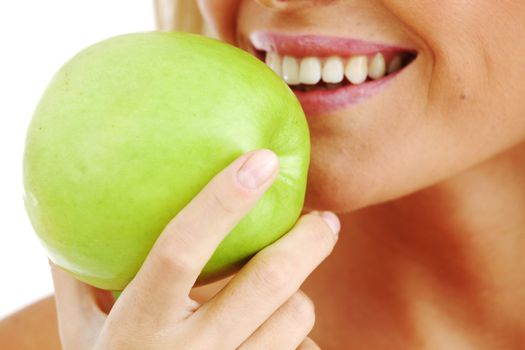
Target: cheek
<point>221,16</point>
<point>475,51</point>
<point>462,104</point>
<point>478,78</point>
<point>376,150</point>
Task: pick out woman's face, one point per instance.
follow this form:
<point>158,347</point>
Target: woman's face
<point>459,102</point>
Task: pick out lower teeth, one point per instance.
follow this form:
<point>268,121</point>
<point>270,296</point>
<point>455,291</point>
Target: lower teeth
<point>319,86</point>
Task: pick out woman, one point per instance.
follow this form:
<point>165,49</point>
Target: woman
<point>418,143</point>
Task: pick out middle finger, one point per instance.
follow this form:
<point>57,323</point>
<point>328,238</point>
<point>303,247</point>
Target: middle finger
<point>267,281</point>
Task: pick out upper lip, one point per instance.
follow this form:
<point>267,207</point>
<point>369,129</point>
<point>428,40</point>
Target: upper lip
<point>316,45</point>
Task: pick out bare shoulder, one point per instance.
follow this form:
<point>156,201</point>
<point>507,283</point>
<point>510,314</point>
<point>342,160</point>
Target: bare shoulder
<point>34,327</point>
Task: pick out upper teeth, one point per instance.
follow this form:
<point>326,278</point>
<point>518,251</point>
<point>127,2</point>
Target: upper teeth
<point>356,69</point>
<point>311,70</point>
<point>377,67</point>
<point>290,72</point>
<point>395,64</point>
<point>275,62</point>
<point>333,70</point>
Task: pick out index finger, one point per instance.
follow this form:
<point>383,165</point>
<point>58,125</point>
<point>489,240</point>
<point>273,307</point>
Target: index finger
<point>189,240</point>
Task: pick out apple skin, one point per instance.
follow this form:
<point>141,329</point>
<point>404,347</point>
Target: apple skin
<point>132,128</point>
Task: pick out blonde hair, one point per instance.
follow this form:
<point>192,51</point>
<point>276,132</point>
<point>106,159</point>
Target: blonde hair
<point>179,15</point>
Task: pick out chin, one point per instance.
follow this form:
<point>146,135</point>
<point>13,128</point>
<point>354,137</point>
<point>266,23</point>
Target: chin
<point>343,182</point>
<point>337,187</point>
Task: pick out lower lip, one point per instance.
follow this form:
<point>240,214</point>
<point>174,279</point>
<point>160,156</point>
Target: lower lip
<point>321,101</point>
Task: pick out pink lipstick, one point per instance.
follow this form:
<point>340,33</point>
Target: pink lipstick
<point>358,69</point>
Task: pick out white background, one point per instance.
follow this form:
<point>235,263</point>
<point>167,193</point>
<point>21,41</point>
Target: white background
<point>36,38</point>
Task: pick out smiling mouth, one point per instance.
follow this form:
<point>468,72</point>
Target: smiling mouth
<point>329,73</point>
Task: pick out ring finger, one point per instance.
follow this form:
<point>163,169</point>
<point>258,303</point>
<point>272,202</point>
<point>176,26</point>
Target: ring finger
<point>286,328</point>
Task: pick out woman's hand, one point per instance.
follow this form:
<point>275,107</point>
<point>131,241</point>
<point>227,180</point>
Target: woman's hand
<point>260,308</point>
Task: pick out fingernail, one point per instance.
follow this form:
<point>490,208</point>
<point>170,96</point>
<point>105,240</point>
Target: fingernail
<point>332,220</point>
<point>259,167</point>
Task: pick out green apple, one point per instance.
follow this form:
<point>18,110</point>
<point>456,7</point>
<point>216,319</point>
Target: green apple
<point>132,128</point>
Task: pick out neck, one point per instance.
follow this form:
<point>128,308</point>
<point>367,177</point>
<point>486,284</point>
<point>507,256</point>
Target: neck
<point>446,266</point>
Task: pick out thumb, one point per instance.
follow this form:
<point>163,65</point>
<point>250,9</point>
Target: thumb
<point>80,318</point>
